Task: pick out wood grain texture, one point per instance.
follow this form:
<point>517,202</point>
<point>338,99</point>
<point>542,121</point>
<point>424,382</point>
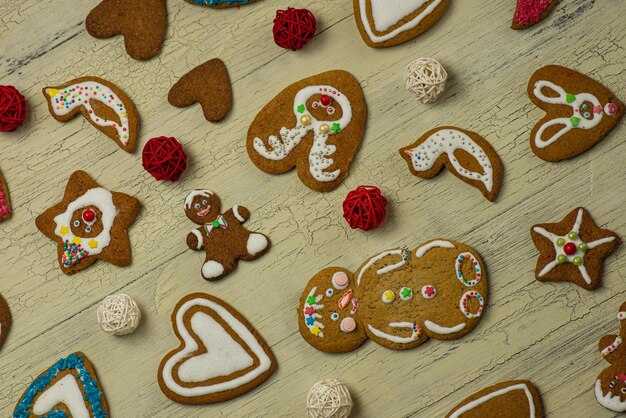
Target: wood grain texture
<point>546,333</point>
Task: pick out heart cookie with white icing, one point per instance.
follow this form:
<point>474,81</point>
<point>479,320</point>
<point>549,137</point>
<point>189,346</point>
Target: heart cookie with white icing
<point>221,356</point>
<point>514,399</point>
<point>69,388</point>
<point>390,22</point>
<point>398,298</point>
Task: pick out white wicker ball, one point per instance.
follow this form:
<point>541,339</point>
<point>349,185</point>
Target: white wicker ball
<point>426,79</point>
<point>119,314</point>
<point>329,399</point>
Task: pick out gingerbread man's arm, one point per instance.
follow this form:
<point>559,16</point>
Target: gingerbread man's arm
<point>240,213</point>
<point>195,241</point>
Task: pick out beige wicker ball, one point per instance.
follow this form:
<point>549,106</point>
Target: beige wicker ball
<point>119,314</point>
<point>426,79</point>
<point>329,399</point>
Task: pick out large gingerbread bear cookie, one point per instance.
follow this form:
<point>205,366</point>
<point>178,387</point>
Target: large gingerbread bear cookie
<point>398,298</point>
<point>221,236</point>
<point>610,386</point>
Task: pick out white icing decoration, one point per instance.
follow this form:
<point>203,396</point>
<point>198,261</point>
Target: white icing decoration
<point>289,138</point>
<point>317,307</point>
<point>433,244</point>
<point>212,269</point>
<point>458,267</point>
<point>193,194</point>
<point>64,391</point>
<point>579,99</point>
<point>424,156</point>
<point>103,94</point>
<point>103,200</point>
<point>394,338</point>
<point>210,366</point>
<point>520,386</point>
<point>608,350</point>
<point>385,13</point>
<point>199,237</point>
<point>382,270</point>
<point>559,250</point>
<point>443,330</point>
<point>463,304</point>
<point>610,401</point>
<point>256,243</point>
<point>237,215</point>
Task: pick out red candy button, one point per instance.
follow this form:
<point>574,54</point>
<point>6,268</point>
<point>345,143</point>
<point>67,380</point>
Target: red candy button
<point>89,215</point>
<point>569,248</point>
<point>325,100</point>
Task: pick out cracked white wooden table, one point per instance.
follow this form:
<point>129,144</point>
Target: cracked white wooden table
<point>543,332</point>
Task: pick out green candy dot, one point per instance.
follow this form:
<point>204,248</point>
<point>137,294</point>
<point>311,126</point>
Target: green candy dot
<point>310,300</point>
<point>215,224</point>
<point>301,109</point>
<point>574,121</point>
<point>577,261</point>
<point>572,235</point>
<point>569,98</point>
<point>336,127</point>
<point>582,247</point>
<point>560,242</point>
<point>561,259</point>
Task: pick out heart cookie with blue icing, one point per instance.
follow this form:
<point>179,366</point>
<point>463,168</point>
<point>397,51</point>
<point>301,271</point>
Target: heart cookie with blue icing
<point>220,356</point>
<point>69,388</point>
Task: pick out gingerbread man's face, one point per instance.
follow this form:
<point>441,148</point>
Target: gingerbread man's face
<point>611,388</point>
<point>87,222</point>
<point>328,312</point>
<point>202,206</point>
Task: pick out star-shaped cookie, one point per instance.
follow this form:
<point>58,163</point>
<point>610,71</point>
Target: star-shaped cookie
<point>573,249</point>
<point>90,223</point>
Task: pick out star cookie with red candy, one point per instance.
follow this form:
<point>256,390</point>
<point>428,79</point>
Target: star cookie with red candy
<point>573,249</point>
<point>90,223</point>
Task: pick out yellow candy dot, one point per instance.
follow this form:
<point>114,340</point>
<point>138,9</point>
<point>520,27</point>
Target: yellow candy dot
<point>76,240</point>
<point>315,330</point>
<point>93,243</point>
<point>63,230</point>
<point>324,128</point>
<point>52,92</point>
<point>388,296</point>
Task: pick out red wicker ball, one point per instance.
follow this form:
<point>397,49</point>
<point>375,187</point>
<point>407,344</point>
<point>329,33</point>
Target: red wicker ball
<point>164,158</point>
<point>364,208</point>
<point>12,109</point>
<point>293,28</point>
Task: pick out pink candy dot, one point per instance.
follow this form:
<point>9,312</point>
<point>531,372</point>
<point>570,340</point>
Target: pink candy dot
<point>347,324</point>
<point>340,280</point>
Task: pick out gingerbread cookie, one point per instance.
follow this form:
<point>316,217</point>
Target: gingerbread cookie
<point>222,236</point>
<point>390,22</point>
<point>315,125</point>
<point>220,4</point>
<point>221,355</point>
<point>572,250</point>
<point>207,84</point>
<point>466,154</point>
<point>5,320</point>
<point>610,388</point>
<point>101,102</point>
<point>90,223</point>
<point>529,12</point>
<point>142,23</point>
<point>515,399</point>
<point>5,200</point>
<point>580,112</point>
<point>398,298</point>
<point>69,388</point>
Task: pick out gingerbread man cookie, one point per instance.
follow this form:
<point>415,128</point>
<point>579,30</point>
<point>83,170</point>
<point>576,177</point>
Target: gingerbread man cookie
<point>90,223</point>
<point>466,154</point>
<point>573,249</point>
<point>610,388</point>
<point>514,399</point>
<point>398,298</point>
<point>580,112</point>
<point>69,388</point>
<point>222,236</point>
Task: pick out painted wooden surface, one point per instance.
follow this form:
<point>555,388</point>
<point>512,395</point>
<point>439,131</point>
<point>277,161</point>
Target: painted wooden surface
<point>543,332</point>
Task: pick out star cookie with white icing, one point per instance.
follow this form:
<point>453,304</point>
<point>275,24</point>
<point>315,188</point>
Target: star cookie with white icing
<point>90,223</point>
<point>573,249</point>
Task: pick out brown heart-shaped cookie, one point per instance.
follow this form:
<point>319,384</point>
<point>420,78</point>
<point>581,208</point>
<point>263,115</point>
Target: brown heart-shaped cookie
<point>142,23</point>
<point>221,356</point>
<point>207,84</point>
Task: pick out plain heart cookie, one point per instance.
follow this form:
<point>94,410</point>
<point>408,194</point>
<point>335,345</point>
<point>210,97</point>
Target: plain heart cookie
<point>315,125</point>
<point>515,399</point>
<point>90,223</point>
<point>221,356</point>
<point>142,23</point>
<point>580,112</point>
<point>207,84</point>
<point>390,22</point>
<point>398,298</point>
<point>101,102</point>
<point>69,388</point>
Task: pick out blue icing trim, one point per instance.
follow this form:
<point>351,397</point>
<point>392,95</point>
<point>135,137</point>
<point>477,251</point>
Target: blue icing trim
<point>91,389</point>
<point>219,2</point>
